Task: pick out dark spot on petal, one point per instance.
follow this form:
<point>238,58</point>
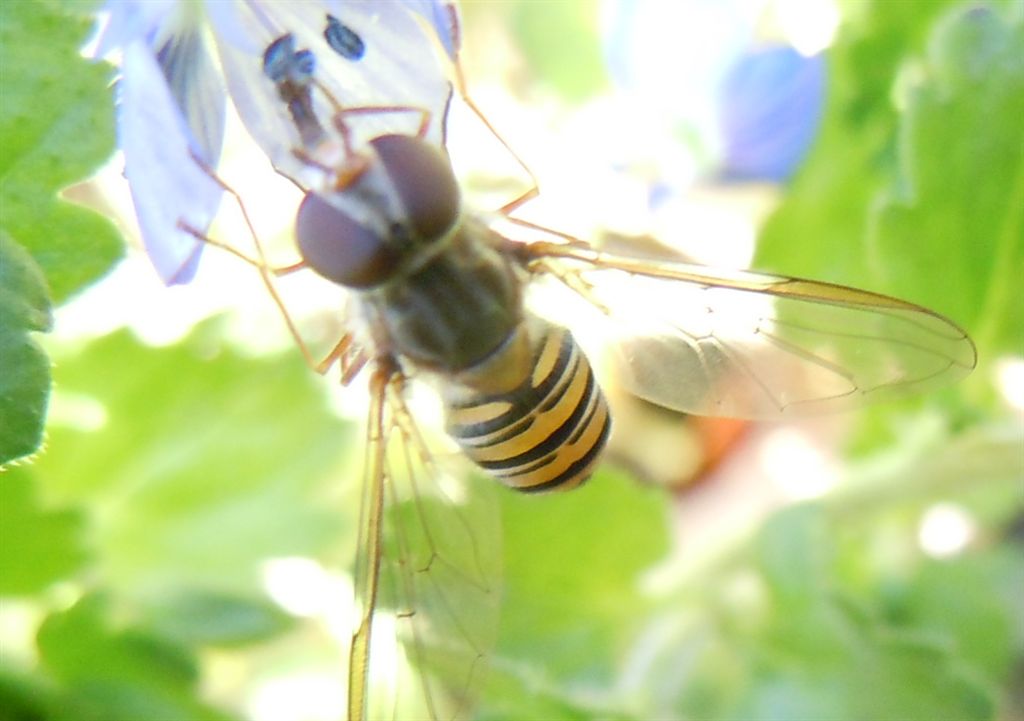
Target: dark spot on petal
<point>343,39</point>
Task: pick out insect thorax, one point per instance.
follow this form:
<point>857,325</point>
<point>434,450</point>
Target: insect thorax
<point>454,311</point>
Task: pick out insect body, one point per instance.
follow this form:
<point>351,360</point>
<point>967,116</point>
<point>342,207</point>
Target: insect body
<point>443,292</point>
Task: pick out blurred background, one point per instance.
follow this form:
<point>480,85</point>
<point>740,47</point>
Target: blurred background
<point>179,510</point>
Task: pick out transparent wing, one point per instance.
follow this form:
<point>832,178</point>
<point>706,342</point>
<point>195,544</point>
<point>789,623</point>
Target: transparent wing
<point>367,53</point>
<point>751,345</point>
<point>427,573</point>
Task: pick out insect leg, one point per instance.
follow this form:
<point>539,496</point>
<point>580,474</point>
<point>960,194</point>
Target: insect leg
<point>261,258</point>
<point>421,129</point>
<point>267,274</point>
<point>570,239</point>
<point>351,363</point>
<point>367,571</point>
<point>534,190</point>
<point>351,357</point>
<point>571,279</point>
<point>340,111</point>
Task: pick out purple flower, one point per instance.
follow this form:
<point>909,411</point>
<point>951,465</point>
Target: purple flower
<point>181,60</point>
<point>770,105</point>
<point>750,109</point>
<point>171,104</point>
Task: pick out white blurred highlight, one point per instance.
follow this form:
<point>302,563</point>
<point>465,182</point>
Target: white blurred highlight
<point>76,410</point>
<point>809,25</point>
<point>19,623</point>
<point>303,587</point>
<point>797,466</point>
<point>1010,381</point>
<point>945,530</point>
<point>305,696</point>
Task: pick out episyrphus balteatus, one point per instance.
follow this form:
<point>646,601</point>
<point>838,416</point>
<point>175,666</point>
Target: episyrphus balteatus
<point>438,292</point>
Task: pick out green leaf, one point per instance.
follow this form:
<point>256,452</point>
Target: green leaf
<point>974,602</point>
<point>39,546</point>
<point>56,127</point>
<point>81,643</point>
<point>517,691</point>
<point>118,673</point>
<point>871,677</point>
<point>24,297</point>
<point>210,618</point>
<point>24,368</point>
<point>24,697</point>
<point>195,462</point>
<point>820,229</point>
<point>572,563</point>
<point>793,554</point>
<point>949,233</point>
<point>921,198</point>
<point>775,633</point>
<point>562,44</point>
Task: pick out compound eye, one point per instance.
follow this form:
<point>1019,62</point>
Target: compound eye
<point>340,249</point>
<point>422,175</point>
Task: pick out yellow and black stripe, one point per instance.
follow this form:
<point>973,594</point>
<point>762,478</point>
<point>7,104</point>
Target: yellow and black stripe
<point>546,434</point>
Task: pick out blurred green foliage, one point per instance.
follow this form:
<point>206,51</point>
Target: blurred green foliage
<point>24,368</point>
<point>175,493</point>
<point>131,548</point>
<point>561,43</point>
<point>961,176</point>
<point>42,545</point>
<point>126,672</point>
<point>55,128</point>
<point>928,202</point>
<point>829,201</point>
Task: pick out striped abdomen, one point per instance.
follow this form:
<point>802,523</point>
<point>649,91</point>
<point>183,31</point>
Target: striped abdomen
<point>548,432</point>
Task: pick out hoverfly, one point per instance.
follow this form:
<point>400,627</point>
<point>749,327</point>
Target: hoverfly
<point>438,292</point>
